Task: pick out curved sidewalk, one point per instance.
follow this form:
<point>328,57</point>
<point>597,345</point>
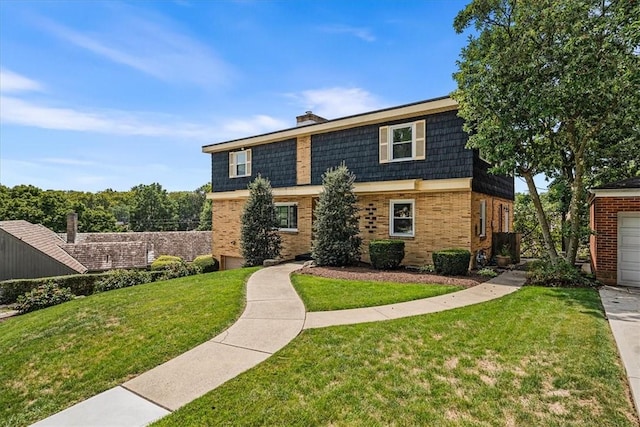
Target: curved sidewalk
<point>274,315</point>
<point>497,287</point>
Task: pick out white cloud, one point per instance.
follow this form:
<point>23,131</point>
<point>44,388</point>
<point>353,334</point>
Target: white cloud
<point>150,46</point>
<point>337,101</point>
<point>255,125</point>
<point>14,82</point>
<point>27,113</point>
<point>359,32</point>
<point>67,161</point>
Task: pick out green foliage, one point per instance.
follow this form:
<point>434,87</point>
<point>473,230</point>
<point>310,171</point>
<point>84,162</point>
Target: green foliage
<point>427,268</point>
<point>487,272</point>
<point>386,254</point>
<point>552,87</point>
<point>174,271</point>
<point>43,296</point>
<point>164,262</point>
<point>562,274</point>
<point>80,284</point>
<point>259,236</point>
<point>207,263</point>
<point>117,279</point>
<point>337,241</point>
<point>452,262</point>
<point>152,209</point>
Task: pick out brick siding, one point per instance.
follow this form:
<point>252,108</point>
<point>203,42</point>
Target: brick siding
<point>604,243</point>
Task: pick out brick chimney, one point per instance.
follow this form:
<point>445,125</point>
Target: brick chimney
<point>72,227</point>
<point>308,118</point>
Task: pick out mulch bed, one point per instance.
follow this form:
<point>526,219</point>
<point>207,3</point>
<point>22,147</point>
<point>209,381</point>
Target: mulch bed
<point>400,276</point>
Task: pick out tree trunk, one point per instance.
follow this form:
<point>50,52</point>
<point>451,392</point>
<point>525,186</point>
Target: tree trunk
<point>542,218</point>
<point>577,190</point>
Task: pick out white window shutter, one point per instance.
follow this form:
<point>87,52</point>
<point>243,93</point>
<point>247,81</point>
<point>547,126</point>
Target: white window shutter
<point>232,165</point>
<point>384,144</point>
<point>248,167</point>
<point>421,147</point>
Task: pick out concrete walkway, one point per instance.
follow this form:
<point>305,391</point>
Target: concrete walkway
<point>622,307</point>
<point>274,315</point>
<point>497,287</point>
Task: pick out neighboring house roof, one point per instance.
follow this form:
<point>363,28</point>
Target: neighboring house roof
<point>110,255</point>
<point>42,239</point>
<point>626,188</point>
<point>434,105</point>
<point>621,185</point>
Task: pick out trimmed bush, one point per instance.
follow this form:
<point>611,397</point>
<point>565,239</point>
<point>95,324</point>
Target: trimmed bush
<point>386,254</point>
<point>43,296</point>
<point>259,238</point>
<point>207,263</point>
<point>117,279</point>
<point>80,284</point>
<point>565,275</point>
<point>173,271</point>
<point>164,262</point>
<point>452,262</point>
<point>487,272</point>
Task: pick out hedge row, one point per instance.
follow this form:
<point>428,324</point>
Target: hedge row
<point>85,284</point>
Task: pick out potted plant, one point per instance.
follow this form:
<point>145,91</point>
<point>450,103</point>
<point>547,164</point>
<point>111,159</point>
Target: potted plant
<point>503,258</point>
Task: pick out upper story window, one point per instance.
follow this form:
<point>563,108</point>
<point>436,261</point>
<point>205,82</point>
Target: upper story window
<point>240,163</point>
<point>401,218</point>
<point>287,214</point>
<point>402,142</point>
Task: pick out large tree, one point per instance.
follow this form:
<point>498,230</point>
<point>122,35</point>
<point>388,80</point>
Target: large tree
<point>152,209</point>
<point>549,87</point>
<point>259,233</point>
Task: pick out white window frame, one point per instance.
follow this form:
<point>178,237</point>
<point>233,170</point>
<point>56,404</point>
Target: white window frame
<point>392,203</point>
<point>233,163</point>
<point>418,141</point>
<point>505,225</point>
<point>413,142</point>
<point>483,218</point>
<point>288,204</point>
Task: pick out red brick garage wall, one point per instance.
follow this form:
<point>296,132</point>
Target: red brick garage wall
<point>604,244</point>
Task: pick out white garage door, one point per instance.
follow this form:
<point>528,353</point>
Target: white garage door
<point>629,248</point>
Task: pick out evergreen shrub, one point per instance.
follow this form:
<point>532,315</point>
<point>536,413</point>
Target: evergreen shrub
<point>337,241</point>
<point>386,254</point>
<point>452,262</point>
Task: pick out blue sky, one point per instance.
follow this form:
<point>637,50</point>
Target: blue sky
<point>98,95</point>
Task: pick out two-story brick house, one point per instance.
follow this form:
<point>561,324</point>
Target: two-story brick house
<point>415,181</point>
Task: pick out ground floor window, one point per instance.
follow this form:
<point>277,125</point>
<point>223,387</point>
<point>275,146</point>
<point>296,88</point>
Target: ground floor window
<point>401,218</point>
<point>287,214</point>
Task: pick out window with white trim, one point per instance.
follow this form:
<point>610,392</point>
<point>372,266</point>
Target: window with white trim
<point>240,163</point>
<point>287,214</point>
<point>483,218</point>
<point>402,142</point>
<point>506,220</point>
<point>402,218</point>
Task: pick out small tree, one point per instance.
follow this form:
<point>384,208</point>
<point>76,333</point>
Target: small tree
<point>336,227</point>
<point>259,237</point>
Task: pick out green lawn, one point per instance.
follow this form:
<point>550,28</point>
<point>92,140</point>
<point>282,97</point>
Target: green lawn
<point>53,358</point>
<point>538,357</point>
<point>320,294</point>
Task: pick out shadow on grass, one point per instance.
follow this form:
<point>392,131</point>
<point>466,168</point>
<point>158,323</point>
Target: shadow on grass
<point>586,298</point>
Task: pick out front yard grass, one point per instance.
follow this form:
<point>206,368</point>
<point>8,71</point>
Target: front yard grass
<point>538,357</point>
<point>321,293</point>
<point>53,358</point>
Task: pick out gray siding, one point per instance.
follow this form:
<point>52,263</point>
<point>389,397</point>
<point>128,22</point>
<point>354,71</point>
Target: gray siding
<point>19,260</point>
<point>276,161</point>
<point>446,155</point>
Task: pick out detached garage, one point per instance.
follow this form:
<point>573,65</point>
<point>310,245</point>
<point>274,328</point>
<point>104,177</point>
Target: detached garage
<point>615,219</point>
